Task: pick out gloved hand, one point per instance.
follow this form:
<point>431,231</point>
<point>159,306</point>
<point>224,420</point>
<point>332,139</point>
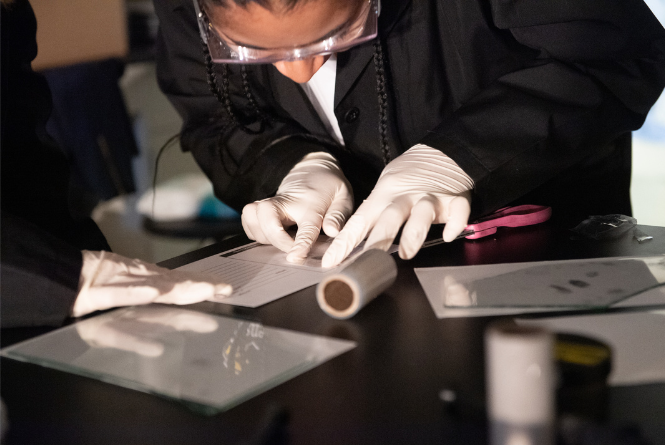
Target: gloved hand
<point>313,195</point>
<point>109,280</point>
<point>423,186</point>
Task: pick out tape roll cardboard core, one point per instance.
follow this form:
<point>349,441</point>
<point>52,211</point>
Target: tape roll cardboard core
<point>343,293</point>
<point>338,295</point>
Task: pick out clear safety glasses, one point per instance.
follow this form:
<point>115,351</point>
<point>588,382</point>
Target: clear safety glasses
<point>361,28</point>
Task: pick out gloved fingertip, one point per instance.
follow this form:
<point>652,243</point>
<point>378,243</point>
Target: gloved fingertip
<point>459,211</point>
<point>327,260</point>
<point>298,252</point>
<point>332,258</point>
<point>331,226</point>
<point>449,235</point>
<point>296,258</point>
<point>406,252</point>
<point>222,291</point>
<point>331,230</point>
<point>451,231</point>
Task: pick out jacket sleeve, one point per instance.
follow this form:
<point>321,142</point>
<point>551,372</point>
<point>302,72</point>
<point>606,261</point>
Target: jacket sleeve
<point>243,166</point>
<point>591,72</point>
<point>40,275</point>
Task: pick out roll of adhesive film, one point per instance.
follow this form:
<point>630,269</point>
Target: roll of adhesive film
<point>520,384</point>
<point>342,294</point>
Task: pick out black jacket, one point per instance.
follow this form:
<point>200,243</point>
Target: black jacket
<point>534,100</point>
<point>41,242</point>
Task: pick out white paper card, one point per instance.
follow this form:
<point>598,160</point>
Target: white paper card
<point>260,274</point>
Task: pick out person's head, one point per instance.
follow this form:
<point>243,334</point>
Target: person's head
<point>294,35</point>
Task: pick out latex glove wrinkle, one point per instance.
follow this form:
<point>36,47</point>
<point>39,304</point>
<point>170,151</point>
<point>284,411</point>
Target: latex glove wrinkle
<point>314,195</point>
<point>110,280</point>
<point>420,187</point>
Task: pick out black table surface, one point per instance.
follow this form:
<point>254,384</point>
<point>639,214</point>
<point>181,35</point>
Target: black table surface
<point>386,390</point>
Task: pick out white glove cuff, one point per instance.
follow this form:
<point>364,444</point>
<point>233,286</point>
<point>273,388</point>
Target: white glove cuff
<point>317,159</point>
<point>449,175</point>
<point>91,262</point>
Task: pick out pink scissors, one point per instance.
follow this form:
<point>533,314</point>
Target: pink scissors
<point>518,216</point>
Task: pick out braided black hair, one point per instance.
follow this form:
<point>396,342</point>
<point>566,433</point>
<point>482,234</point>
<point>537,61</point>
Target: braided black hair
<point>382,93</point>
<point>224,97</point>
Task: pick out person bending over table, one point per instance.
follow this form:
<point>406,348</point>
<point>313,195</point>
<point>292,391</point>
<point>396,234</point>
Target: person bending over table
<point>54,266</point>
<point>416,112</point>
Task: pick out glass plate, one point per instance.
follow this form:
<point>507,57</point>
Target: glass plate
<point>593,283</point>
<point>208,362</point>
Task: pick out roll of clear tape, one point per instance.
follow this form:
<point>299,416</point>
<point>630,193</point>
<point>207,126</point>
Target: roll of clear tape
<point>520,384</point>
<point>342,294</point>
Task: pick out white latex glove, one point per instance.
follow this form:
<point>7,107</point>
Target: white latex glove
<point>314,195</point>
<point>109,280</point>
<point>423,186</point>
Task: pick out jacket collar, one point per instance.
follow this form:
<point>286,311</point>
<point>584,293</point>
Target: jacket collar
<point>351,63</point>
<point>295,102</point>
